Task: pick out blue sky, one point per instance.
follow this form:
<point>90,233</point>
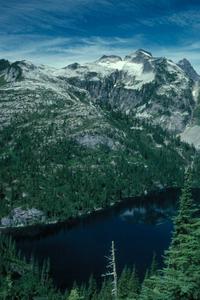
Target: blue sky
<point>58,32</point>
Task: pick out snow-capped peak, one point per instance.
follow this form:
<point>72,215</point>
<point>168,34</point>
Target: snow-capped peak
<point>140,83</point>
<point>143,52</point>
<point>109,59</point>
<point>138,56</point>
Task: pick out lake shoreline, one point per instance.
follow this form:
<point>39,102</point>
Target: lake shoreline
<point>77,248</point>
<point>71,221</point>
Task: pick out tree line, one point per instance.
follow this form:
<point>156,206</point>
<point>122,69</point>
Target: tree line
<point>178,280</point>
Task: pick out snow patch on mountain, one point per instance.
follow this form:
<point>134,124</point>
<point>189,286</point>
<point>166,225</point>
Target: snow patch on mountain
<point>191,135</point>
<point>109,58</point>
<point>134,73</point>
<point>196,91</point>
<point>139,84</point>
<point>140,54</point>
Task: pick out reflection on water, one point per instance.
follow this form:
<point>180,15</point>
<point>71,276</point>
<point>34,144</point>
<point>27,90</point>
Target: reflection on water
<point>140,227</point>
<point>148,214</point>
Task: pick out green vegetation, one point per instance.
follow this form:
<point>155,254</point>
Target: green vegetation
<point>22,280</point>
<point>178,280</point>
<point>42,167</point>
<point>67,155</point>
<point>4,64</point>
<point>2,81</point>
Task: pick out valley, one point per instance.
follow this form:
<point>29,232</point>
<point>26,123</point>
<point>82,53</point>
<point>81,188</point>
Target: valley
<point>82,137</point>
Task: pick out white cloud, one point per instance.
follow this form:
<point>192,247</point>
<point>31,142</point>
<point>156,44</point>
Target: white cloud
<point>20,22</point>
<point>61,51</point>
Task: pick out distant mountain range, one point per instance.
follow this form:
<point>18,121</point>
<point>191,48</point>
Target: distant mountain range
<point>146,87</point>
<point>116,116</point>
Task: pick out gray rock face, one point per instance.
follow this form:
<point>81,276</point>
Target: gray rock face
<point>110,58</point>
<point>4,64</point>
<point>186,66</point>
<point>74,66</point>
<point>11,72</point>
<point>149,87</point>
<point>93,141</point>
<point>21,217</point>
<point>139,56</point>
<point>142,57</point>
<point>140,84</point>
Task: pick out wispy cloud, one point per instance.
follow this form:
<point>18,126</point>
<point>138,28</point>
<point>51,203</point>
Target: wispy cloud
<point>189,19</point>
<point>50,15</point>
<point>63,31</point>
<point>30,16</point>
<point>60,51</point>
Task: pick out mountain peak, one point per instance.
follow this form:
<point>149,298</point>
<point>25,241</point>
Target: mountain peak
<point>184,61</point>
<point>139,56</point>
<point>109,58</point>
<point>73,66</point>
<point>143,52</point>
<point>4,64</point>
<point>186,66</point>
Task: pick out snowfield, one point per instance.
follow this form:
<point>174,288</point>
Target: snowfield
<point>140,85</point>
<point>191,135</point>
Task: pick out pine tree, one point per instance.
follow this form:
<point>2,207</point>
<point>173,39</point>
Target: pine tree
<point>92,287</point>
<point>123,283</point>
<point>181,276</point>
<point>105,291</point>
<point>128,284</point>
<point>148,286</point>
<point>133,285</point>
<point>154,266</point>
<point>5,287</point>
<point>74,295</point>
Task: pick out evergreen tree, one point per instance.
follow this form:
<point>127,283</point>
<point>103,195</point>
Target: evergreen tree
<point>133,285</point>
<point>181,275</point>
<point>128,284</point>
<point>22,280</point>
<point>123,283</point>
<point>74,295</point>
<point>154,266</point>
<point>147,288</point>
<point>105,291</point>
<point>92,288</point>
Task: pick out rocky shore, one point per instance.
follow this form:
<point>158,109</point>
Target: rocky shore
<point>23,217</point>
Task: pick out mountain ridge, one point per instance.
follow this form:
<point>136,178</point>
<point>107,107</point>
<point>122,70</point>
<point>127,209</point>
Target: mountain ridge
<point>82,137</point>
<point>188,69</point>
<point>155,89</point>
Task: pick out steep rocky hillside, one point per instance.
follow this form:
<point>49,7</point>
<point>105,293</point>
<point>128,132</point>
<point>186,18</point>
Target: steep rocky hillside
<point>186,66</point>
<point>82,137</point>
<point>140,85</point>
<point>191,133</point>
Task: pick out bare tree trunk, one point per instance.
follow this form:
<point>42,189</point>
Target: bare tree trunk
<point>112,271</point>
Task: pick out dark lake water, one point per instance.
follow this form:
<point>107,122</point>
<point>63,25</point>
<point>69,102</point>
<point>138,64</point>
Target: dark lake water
<point>140,227</point>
